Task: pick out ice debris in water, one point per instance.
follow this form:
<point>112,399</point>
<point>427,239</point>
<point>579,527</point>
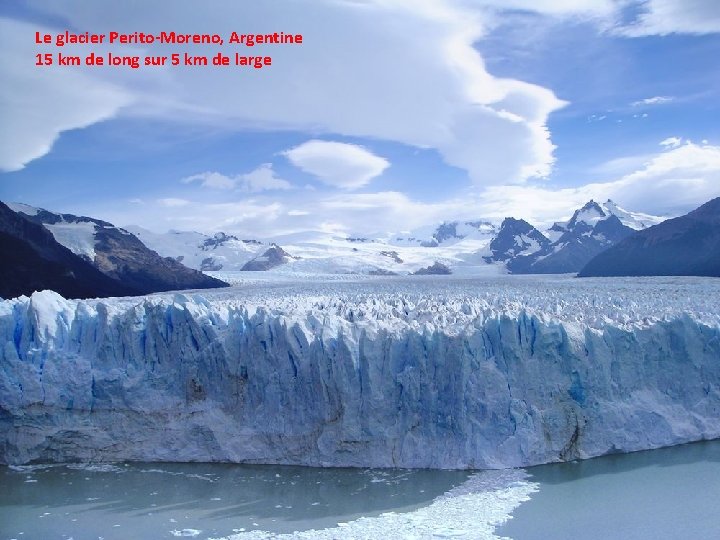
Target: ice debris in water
<point>470,511</point>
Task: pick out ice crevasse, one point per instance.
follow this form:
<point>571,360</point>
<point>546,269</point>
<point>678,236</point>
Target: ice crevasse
<point>364,378</point>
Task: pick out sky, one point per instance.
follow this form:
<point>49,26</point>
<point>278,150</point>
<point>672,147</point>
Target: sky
<point>391,115</point>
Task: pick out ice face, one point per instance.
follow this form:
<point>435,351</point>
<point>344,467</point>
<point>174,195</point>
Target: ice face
<point>415,372</point>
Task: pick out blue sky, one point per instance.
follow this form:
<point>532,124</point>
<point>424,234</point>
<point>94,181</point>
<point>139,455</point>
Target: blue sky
<point>393,114</point>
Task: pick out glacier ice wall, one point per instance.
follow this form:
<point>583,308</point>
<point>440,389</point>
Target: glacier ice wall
<point>462,377</point>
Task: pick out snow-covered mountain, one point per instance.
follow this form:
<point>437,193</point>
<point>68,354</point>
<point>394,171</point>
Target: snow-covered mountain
<point>459,245</point>
<point>593,212</point>
<point>478,247</point>
<point>466,247</point>
<point>202,251</point>
<point>516,238</point>
<point>117,253</point>
<point>77,233</point>
<point>446,233</point>
<point>685,246</point>
<point>410,372</point>
<point>571,244</point>
<point>481,246</point>
<point>33,260</point>
<point>272,257</point>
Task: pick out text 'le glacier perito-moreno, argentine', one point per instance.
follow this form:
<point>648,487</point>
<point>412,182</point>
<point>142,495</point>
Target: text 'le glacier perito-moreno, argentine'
<point>396,373</point>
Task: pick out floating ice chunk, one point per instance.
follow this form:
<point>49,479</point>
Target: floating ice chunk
<point>186,532</point>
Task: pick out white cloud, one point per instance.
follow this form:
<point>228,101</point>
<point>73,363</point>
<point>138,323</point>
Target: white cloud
<point>261,179</point>
<point>674,181</point>
<point>657,100</point>
<point>670,182</point>
<point>172,202</point>
<point>337,164</point>
<point>662,17</point>
<point>551,7</point>
<point>393,70</point>
<point>649,17</point>
<point>247,216</point>
<point>37,103</point>
<point>368,213</point>
<point>265,216</point>
<point>212,180</point>
<point>617,167</point>
<point>671,142</point>
<point>396,70</point>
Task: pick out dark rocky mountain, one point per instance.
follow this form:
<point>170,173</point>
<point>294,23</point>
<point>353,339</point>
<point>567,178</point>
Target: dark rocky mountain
<point>221,239</point>
<point>591,230</point>
<point>392,255</point>
<point>118,254</point>
<point>685,246</point>
<point>270,258</point>
<point>122,256</point>
<point>209,264</point>
<point>382,272</point>
<point>516,237</point>
<point>217,240</point>
<point>436,269</point>
<point>32,260</point>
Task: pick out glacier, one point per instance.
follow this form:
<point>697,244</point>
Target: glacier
<point>433,372</point>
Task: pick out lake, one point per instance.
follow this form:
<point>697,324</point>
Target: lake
<point>666,493</point>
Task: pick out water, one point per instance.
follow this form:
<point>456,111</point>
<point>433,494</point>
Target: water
<point>667,493</point>
<point>159,501</point>
<point>660,494</point>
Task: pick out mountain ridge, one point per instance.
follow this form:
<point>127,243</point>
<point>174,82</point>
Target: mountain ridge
<point>113,251</point>
<point>688,245</point>
<point>33,260</point>
<point>483,246</point>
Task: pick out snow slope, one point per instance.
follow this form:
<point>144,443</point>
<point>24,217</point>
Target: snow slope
<point>201,251</point>
<point>77,237</point>
<point>409,372</point>
<point>634,220</point>
<point>312,252</point>
<point>76,234</point>
<point>323,253</point>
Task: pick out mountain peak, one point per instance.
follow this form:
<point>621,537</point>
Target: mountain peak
<point>517,237</point>
<point>688,245</point>
<point>709,212</point>
<point>588,215</point>
<point>592,205</point>
<point>270,258</point>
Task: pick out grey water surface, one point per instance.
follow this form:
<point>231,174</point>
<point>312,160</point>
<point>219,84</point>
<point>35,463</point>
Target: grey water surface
<point>160,500</point>
<point>670,493</point>
<point>659,494</point>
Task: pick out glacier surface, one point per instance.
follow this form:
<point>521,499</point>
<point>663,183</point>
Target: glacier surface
<point>407,372</point>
